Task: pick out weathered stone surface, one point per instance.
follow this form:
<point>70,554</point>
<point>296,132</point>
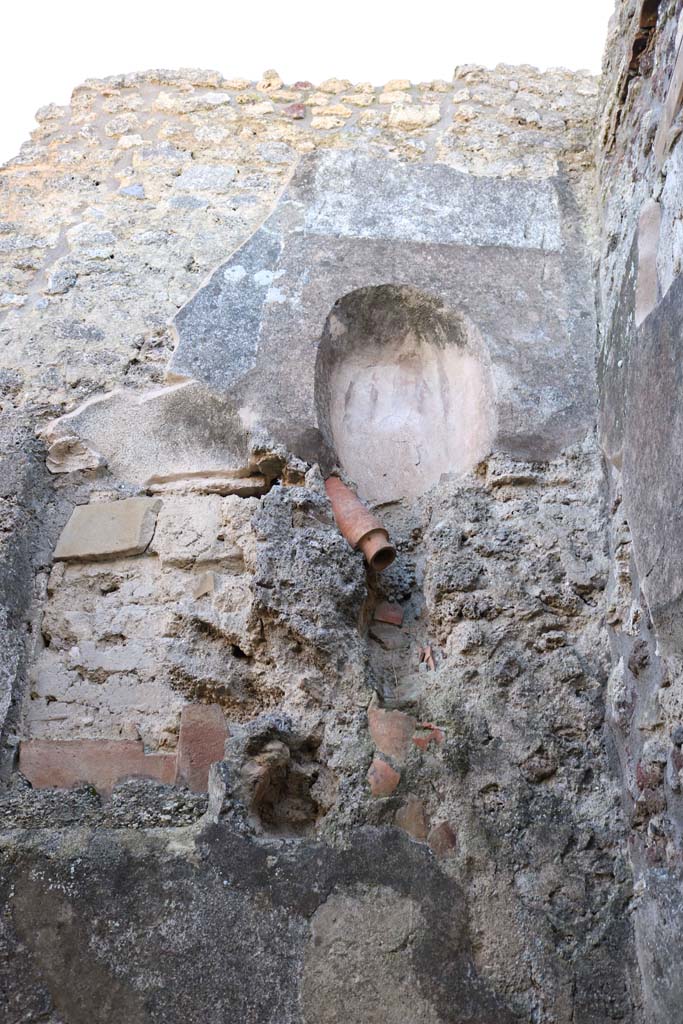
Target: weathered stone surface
<point>62,912</point>
<point>25,540</point>
<point>647,283</point>
<point>640,180</point>
<point>431,205</point>
<point>297,111</point>
<point>181,434</point>
<point>653,472</point>
<point>353,212</point>
<point>108,529</point>
<point>69,454</point>
<point>410,118</point>
<point>127,638</point>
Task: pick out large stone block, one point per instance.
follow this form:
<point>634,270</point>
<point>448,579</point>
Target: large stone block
<point>505,255</point>
<point>108,529</point>
<point>182,435</point>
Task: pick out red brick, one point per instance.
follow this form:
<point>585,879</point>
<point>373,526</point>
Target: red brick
<point>391,731</point>
<point>383,778</point>
<point>389,613</point>
<point>203,733</point>
<point>412,818</point>
<point>428,733</point>
<point>442,839</point>
<point>62,764</point>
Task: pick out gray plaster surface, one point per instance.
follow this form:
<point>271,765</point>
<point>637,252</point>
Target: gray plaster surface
<point>653,466</point>
<point>227,929</point>
<point>345,195</point>
<point>506,257</point>
<point>497,253</point>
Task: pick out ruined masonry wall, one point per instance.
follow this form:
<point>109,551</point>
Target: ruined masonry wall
<point>426,816</point>
<point>125,200</point>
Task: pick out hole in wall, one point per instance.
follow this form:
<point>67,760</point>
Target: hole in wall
<point>287,788</point>
<point>403,391</point>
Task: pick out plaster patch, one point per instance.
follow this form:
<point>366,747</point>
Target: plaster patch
<point>231,275</point>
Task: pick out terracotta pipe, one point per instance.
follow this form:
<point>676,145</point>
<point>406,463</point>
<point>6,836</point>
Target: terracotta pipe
<point>359,526</point>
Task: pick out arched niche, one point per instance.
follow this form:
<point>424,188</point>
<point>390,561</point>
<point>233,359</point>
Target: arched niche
<point>403,391</point>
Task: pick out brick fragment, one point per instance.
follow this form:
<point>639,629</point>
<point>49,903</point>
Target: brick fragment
<point>390,613</point>
<point>383,779</point>
<point>412,818</point>
<point>428,733</point>
<point>391,731</point>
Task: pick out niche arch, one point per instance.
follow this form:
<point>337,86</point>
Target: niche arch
<point>403,391</point>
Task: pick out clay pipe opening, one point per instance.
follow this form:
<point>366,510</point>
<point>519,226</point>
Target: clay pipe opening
<point>359,526</point>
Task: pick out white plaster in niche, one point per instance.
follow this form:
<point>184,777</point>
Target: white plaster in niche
<point>403,391</point>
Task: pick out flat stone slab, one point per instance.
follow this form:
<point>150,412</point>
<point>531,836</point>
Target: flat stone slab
<point>108,529</point>
<point>183,434</point>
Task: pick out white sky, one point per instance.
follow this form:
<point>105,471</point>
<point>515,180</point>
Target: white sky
<point>50,46</point>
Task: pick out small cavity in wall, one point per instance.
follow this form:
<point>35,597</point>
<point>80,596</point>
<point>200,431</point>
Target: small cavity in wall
<point>285,786</point>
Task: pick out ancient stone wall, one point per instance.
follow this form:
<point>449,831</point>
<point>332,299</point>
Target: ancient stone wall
<point>640,161</point>
<point>412,810</point>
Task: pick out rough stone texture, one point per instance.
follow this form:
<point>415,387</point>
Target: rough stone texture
<point>641,178</point>
<point>126,643</point>
<point>476,864</point>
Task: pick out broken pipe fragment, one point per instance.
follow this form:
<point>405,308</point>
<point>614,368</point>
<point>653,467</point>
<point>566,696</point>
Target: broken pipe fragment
<point>359,526</point>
